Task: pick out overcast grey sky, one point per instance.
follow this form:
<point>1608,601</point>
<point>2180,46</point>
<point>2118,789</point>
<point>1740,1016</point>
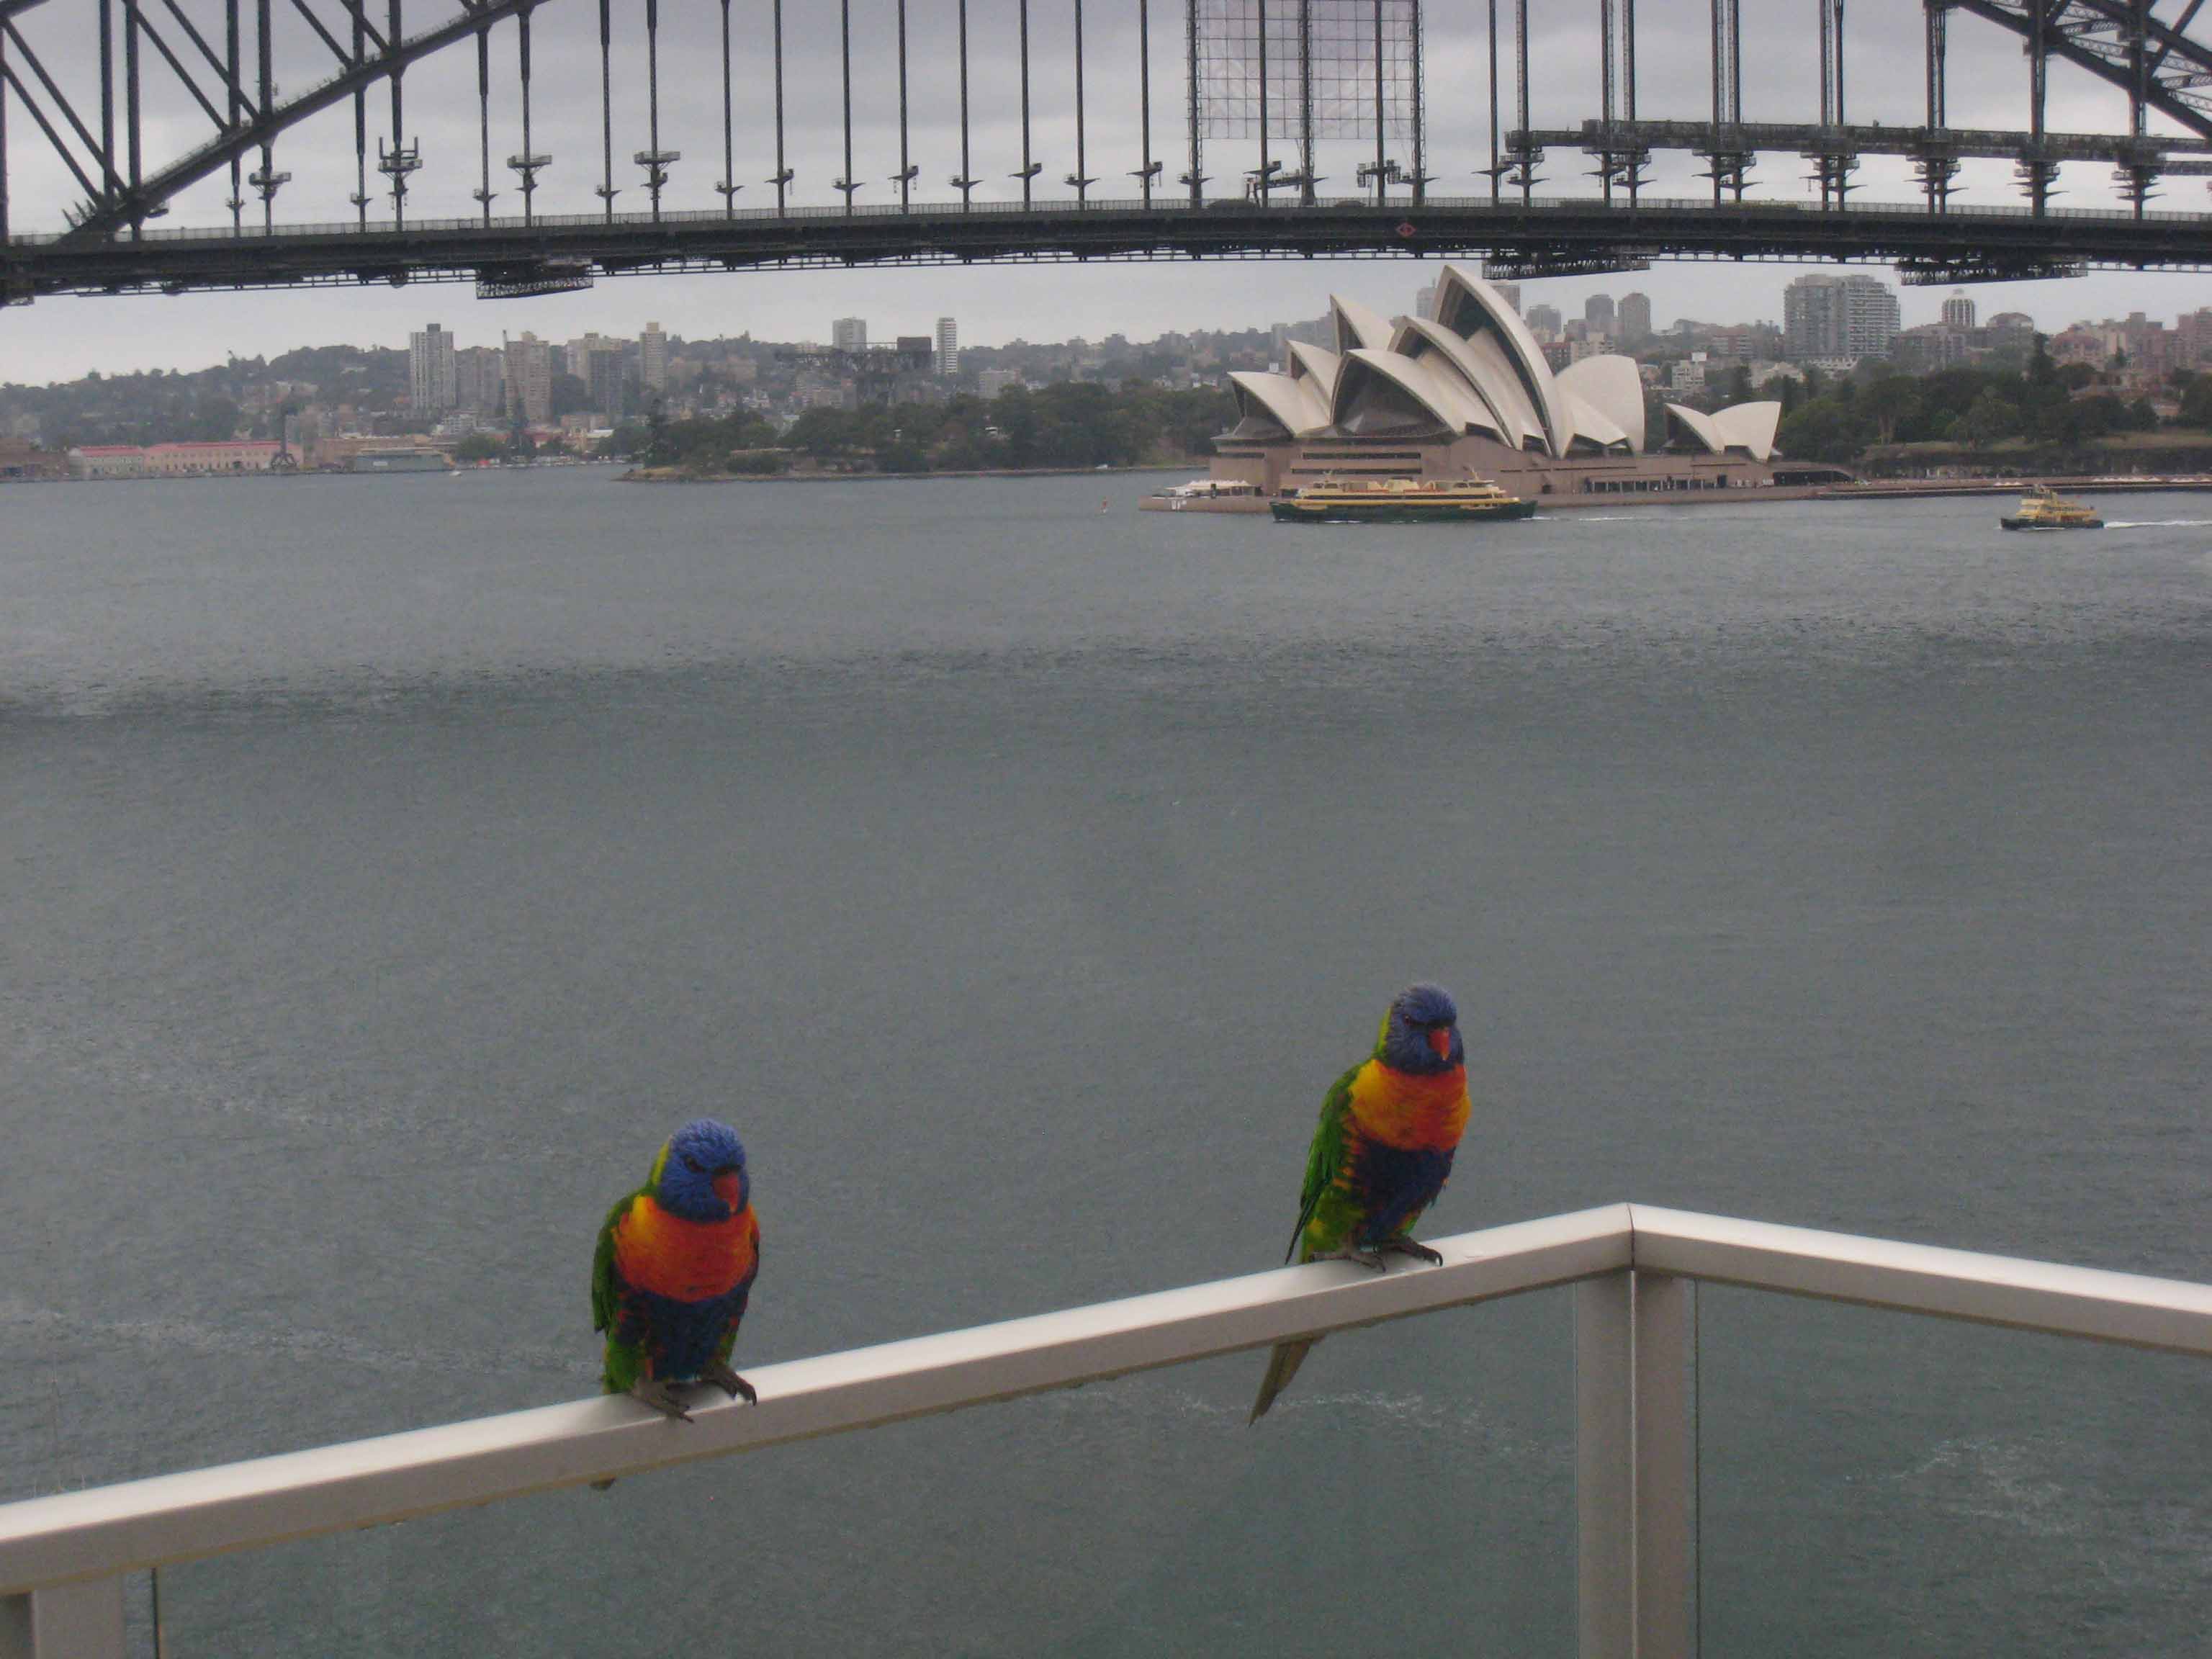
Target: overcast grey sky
<point>61,339</point>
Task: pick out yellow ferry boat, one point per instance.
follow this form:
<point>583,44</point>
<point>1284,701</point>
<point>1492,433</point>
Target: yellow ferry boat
<point>2045,508</point>
<point>1400,500</point>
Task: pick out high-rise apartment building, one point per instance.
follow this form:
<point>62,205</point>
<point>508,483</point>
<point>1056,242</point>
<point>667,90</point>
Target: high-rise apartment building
<point>480,380</point>
<point>652,359</point>
<point>1597,312</point>
<point>1543,322</point>
<point>1425,301</point>
<point>1840,316</point>
<point>430,371</point>
<point>1511,291</point>
<point>606,381</point>
<point>948,346</point>
<point>1958,311</point>
<point>576,356</point>
<point>849,334</point>
<point>1634,319</point>
<point>530,378</point>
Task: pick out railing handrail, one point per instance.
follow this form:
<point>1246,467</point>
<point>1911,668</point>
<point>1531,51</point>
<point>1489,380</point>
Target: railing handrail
<point>77,1537</point>
<point>105,1530</point>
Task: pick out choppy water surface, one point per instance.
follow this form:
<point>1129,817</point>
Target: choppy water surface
<point>390,863</point>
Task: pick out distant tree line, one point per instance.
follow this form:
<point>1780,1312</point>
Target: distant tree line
<point>1069,425</point>
<point>1971,408</point>
<point>203,406</point>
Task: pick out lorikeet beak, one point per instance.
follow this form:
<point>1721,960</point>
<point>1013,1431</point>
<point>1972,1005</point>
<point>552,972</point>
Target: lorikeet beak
<point>1441,1041</point>
<point>726,1189</point>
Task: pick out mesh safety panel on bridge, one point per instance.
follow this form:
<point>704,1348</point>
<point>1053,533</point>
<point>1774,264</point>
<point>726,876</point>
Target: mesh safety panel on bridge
<point>1324,51</point>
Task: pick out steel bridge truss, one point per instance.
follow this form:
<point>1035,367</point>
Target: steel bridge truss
<point>2142,47</point>
<point>1317,68</point>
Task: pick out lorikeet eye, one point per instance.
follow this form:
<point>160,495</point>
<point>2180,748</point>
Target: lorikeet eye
<point>693,1164</point>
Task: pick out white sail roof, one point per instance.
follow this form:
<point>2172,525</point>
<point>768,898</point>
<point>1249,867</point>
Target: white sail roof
<point>1421,338</point>
<point>1356,325</point>
<point>1478,313</point>
<point>1323,365</point>
<point>1610,388</point>
<point>1748,427</point>
<point>1296,405</point>
<point>1373,381</point>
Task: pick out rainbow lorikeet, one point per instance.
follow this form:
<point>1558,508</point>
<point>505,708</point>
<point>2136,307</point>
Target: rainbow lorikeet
<point>674,1269</point>
<point>1389,1128</point>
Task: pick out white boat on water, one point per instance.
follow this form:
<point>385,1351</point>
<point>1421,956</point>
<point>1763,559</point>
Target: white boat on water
<point>1207,495</point>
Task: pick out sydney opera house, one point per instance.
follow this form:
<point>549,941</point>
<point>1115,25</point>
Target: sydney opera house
<point>1467,392</point>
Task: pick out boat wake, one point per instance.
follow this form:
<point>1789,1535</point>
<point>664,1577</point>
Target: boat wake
<point>2158,524</point>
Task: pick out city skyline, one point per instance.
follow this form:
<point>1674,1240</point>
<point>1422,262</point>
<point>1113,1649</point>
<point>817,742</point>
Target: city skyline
<point>2055,305</point>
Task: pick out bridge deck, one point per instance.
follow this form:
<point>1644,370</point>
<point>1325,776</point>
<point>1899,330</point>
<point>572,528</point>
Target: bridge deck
<point>1959,244</point>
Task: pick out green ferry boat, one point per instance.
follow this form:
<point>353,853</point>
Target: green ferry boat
<point>1400,500</point>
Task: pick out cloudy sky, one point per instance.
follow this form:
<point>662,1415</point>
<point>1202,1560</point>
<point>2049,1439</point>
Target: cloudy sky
<point>61,339</point>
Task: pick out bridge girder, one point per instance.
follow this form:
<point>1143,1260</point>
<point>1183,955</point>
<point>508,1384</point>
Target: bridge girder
<point>1987,245</point>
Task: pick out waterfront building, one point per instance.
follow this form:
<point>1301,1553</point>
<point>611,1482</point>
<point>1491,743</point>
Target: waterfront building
<point>1839,317</point>
<point>529,380</point>
<point>1470,391</point>
<point>430,371</point>
<point>1959,310</point>
<point>992,381</point>
<point>652,359</point>
<point>173,460</point>
<point>948,346</point>
<point>1634,321</point>
<point>21,458</point>
<point>238,455</point>
<point>849,334</point>
<point>106,461</point>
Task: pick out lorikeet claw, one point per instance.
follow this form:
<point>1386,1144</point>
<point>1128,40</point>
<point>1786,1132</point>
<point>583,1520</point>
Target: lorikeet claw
<point>1351,1253</point>
<point>658,1395</point>
<point>1404,1246</point>
<point>729,1382</point>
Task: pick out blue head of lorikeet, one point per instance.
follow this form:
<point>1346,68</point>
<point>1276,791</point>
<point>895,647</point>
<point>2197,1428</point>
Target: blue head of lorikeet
<point>701,1176</point>
<point>1420,1033</point>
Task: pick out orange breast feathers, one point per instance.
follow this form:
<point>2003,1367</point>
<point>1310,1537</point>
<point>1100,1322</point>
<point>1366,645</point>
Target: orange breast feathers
<point>1414,1113</point>
<point>684,1260</point>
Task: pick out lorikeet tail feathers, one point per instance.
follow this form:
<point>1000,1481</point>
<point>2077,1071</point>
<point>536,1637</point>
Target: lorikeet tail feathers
<point>1282,1366</point>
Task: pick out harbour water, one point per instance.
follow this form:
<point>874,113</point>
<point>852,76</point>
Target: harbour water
<point>391,864</point>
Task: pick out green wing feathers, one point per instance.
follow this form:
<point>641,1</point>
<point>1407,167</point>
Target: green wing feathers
<point>1323,1159</point>
<point>603,1290</point>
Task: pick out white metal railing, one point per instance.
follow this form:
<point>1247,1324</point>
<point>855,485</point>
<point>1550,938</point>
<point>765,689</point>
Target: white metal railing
<point>62,1557</point>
